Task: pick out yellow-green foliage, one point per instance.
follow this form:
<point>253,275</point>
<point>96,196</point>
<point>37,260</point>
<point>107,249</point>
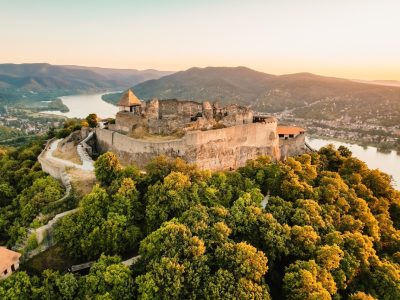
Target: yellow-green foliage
<point>318,226</point>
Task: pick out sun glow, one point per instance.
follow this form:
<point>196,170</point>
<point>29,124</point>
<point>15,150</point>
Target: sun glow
<point>353,39</point>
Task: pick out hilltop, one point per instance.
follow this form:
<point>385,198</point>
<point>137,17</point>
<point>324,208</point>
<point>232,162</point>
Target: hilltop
<point>42,76</point>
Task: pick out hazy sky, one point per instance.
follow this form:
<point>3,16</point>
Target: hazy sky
<point>345,38</point>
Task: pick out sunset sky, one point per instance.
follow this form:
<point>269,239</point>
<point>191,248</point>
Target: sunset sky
<point>343,38</point>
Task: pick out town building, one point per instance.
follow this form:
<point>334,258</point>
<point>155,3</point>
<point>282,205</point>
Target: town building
<point>9,262</point>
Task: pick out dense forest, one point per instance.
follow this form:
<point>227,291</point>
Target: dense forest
<point>317,226</point>
<point>25,191</point>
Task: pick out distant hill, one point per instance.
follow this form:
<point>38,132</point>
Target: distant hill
<point>239,85</point>
<point>124,77</point>
<point>380,82</point>
<point>264,92</point>
<point>45,77</point>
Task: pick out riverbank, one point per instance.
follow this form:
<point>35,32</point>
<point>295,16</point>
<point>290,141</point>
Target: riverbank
<point>112,98</point>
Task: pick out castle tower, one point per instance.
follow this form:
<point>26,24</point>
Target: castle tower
<point>129,102</point>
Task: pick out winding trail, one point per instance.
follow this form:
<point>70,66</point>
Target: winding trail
<point>87,162</point>
<point>57,168</point>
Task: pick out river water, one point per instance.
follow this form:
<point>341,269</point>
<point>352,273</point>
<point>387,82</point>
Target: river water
<point>386,162</point>
<point>82,105</point>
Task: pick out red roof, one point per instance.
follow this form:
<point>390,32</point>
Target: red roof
<point>7,258</point>
<point>290,130</point>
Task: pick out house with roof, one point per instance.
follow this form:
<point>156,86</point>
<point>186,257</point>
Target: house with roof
<point>9,262</point>
<point>292,141</point>
<point>289,132</point>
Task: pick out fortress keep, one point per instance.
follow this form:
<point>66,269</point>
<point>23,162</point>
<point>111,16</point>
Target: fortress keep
<point>212,136</point>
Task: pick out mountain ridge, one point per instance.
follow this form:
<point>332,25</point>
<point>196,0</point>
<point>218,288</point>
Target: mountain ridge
<point>44,76</point>
<point>262,91</point>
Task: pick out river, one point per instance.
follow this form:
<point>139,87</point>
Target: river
<point>386,162</point>
<point>82,105</point>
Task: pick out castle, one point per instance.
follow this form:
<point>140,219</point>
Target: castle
<point>212,136</point>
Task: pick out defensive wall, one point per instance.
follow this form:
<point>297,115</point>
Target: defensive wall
<point>293,146</point>
<point>218,149</point>
<point>51,167</point>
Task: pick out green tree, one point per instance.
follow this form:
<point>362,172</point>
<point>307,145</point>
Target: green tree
<point>344,151</point>
<point>7,193</point>
<point>303,241</point>
<point>56,286</point>
<point>330,158</point>
<point>301,281</point>
<point>92,120</point>
<point>179,264</point>
<point>169,199</point>
<point>18,287</point>
<point>164,281</point>
<point>103,224</point>
<point>107,168</point>
<point>382,280</point>
<point>108,279</point>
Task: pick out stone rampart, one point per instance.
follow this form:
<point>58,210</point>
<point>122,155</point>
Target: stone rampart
<point>292,146</point>
<point>53,169</point>
<point>218,149</point>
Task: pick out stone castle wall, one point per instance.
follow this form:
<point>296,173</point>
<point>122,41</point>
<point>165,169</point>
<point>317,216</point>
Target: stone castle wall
<point>124,121</point>
<point>50,167</point>
<point>226,148</point>
<point>292,146</point>
<point>171,117</point>
<point>176,107</point>
<point>235,115</point>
